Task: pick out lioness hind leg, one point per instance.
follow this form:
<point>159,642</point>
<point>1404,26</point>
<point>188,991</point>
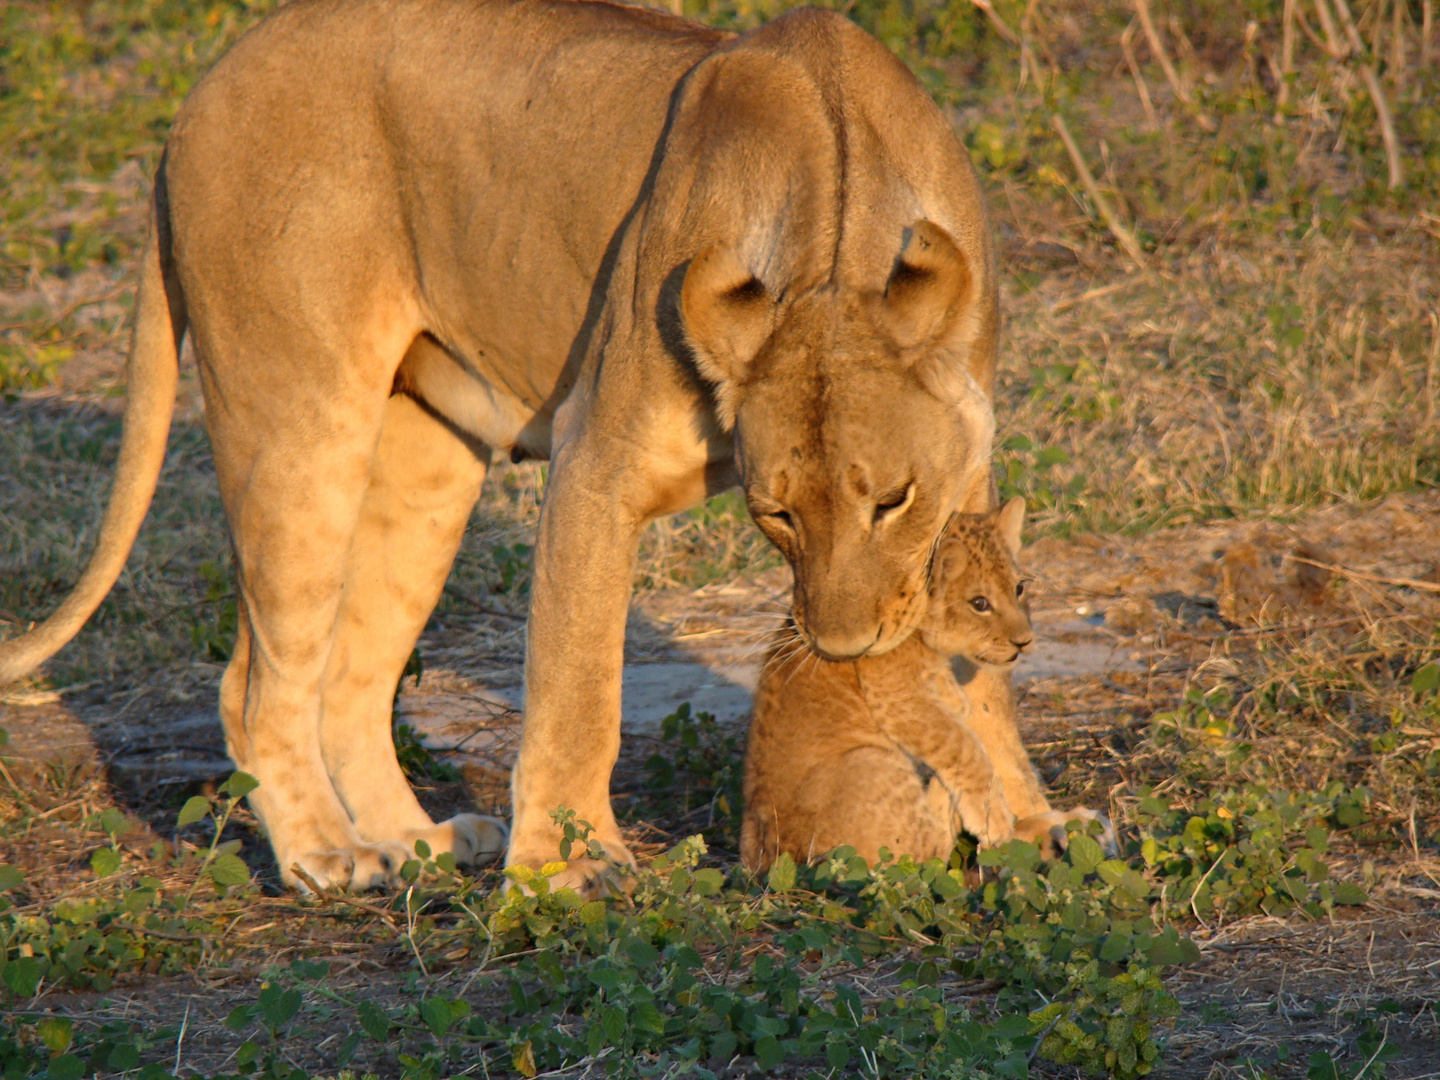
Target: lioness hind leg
<point>293,511</point>
<point>424,480</point>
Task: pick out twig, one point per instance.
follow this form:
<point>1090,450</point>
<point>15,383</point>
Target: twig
<point>1309,31</point>
<point>1201,884</point>
<point>1333,45</point>
<point>1377,95</point>
<point>1086,297</point>
<point>1387,127</point>
<point>1125,237</point>
<point>996,21</point>
<point>1408,583</point>
<point>1028,67</point>
<point>410,916</point>
<point>1127,46</point>
<point>1157,47</point>
<point>163,935</point>
<point>479,608</point>
<point>340,898</point>
<point>1398,14</point>
<point>1427,25</point>
<point>1430,368</point>
<point>180,1039</point>
<point>14,787</point>
<point>1287,60</point>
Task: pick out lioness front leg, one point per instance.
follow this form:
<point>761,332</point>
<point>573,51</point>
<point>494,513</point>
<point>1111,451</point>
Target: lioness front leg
<point>601,494</point>
<point>574,654</point>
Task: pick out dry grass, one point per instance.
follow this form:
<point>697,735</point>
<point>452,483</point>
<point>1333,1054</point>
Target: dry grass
<point>1275,363</point>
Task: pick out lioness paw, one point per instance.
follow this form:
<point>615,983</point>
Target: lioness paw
<point>354,869</point>
<point>593,879</point>
<point>474,840</point>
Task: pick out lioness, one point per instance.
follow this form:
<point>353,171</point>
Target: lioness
<point>405,234</point>
<point>878,752</point>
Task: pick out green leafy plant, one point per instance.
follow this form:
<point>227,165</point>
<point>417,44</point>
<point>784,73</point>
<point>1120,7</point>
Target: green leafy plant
<point>106,860</point>
<point>221,863</point>
<point>214,636</point>
<point>700,765</point>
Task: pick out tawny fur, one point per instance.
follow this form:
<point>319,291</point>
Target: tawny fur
<point>405,234</point>
<point>879,752</point>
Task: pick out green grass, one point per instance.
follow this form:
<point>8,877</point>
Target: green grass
<point>1279,351</point>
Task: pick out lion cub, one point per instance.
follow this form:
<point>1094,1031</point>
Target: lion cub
<point>876,752</point>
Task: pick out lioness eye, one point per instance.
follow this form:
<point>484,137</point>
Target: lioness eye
<point>1019,590</point>
<point>895,500</point>
<point>980,604</point>
<point>781,516</point>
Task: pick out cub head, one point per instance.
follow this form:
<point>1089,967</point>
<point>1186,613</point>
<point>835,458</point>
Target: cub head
<point>978,606</point>
<point>861,420</point>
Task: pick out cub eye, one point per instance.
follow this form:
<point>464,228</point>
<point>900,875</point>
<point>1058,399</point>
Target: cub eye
<point>980,604</point>
<point>1019,590</point>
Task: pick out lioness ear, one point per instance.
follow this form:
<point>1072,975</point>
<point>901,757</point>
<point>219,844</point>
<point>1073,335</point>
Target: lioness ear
<point>1009,522</point>
<point>727,316</point>
<point>927,289</point>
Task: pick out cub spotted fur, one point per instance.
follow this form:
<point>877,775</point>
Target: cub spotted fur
<point>877,752</point>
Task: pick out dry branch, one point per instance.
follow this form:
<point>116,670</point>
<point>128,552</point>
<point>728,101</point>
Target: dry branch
<point>996,21</point>
<point>1427,26</point>
<point>1333,44</point>
<point>1377,94</point>
<point>1157,47</point>
<point>340,898</point>
<point>1287,60</point>
<point>1403,582</point>
<point>1142,9</point>
<point>1397,43</point>
<point>1127,46</point>
<point>1112,222</point>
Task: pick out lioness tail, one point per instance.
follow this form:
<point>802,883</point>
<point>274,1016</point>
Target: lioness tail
<point>154,370</point>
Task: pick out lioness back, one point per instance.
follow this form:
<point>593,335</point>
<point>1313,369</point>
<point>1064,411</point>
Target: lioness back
<point>875,753</point>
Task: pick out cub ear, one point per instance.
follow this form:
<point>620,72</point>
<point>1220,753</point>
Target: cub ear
<point>727,316</point>
<point>950,559</point>
<point>1009,522</point>
<point>927,290</point>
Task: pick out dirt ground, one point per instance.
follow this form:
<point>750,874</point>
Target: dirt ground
<point>1124,625</point>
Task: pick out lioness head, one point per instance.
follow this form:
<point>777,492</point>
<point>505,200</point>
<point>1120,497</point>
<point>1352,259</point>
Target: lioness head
<point>978,606</point>
<point>858,425</point>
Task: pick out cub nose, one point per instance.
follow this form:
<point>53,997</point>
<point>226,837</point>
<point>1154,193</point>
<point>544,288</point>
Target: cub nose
<point>1023,639</point>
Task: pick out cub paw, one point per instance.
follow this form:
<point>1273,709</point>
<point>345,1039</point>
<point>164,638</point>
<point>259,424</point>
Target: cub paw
<point>989,820</point>
<point>1047,831</point>
<point>354,869</point>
